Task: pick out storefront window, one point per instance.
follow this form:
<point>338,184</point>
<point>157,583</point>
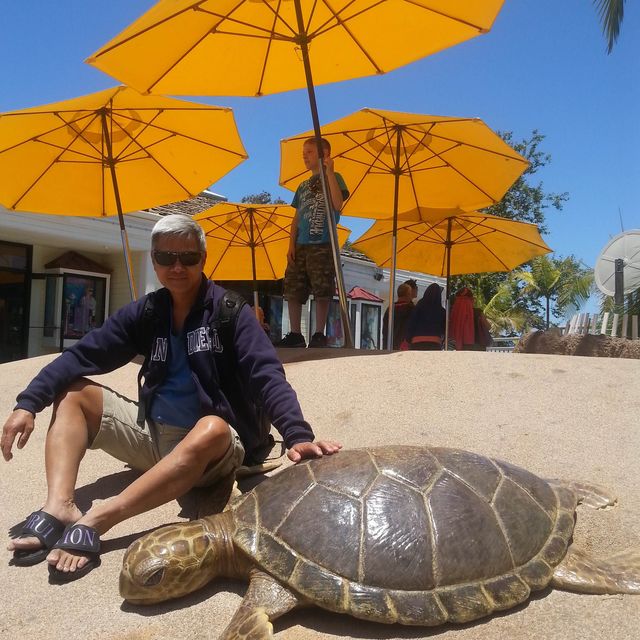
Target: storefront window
<point>83,301</point>
<point>370,326</point>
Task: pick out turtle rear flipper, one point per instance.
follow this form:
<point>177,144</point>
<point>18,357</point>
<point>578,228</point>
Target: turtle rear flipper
<point>580,572</point>
<point>594,496</point>
<point>590,495</point>
<point>264,601</point>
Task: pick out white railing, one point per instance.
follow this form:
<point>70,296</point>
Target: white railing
<point>610,324</point>
<point>503,345</point>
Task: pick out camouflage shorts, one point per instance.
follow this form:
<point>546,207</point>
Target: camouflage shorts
<point>311,272</point>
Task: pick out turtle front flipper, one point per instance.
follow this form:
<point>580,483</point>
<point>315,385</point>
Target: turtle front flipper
<point>580,572</point>
<point>265,600</point>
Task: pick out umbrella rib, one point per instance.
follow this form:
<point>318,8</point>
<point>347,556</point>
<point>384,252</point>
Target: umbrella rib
<point>187,137</point>
<point>78,134</point>
<point>189,49</point>
<point>267,216</point>
<point>230,241</point>
<point>510,234</point>
<point>341,23</point>
<point>163,168</point>
<point>377,156</point>
<point>449,16</point>
<point>364,175</point>
<point>265,61</point>
<point>462,175</point>
<point>477,238</point>
<point>151,27</point>
<point>409,173</point>
<point>517,157</point>
<point>263,245</point>
<point>133,140</point>
<point>262,31</point>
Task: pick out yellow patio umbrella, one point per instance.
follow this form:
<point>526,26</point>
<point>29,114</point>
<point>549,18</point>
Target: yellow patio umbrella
<point>113,152</point>
<point>452,242</point>
<point>395,161</point>
<point>249,241</point>
<point>256,47</point>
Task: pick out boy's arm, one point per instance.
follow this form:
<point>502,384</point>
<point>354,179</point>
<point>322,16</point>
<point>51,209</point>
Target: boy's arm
<point>335,191</point>
<point>291,253</point>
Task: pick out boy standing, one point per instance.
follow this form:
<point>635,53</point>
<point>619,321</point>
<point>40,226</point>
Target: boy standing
<point>310,261</point>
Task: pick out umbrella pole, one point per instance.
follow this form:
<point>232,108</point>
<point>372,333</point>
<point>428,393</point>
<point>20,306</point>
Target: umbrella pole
<point>252,244</point>
<point>446,319</point>
<point>394,241</point>
<point>333,232</point>
<point>116,192</point>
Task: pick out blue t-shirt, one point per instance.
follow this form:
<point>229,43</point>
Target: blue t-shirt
<point>311,210</point>
<point>176,401</point>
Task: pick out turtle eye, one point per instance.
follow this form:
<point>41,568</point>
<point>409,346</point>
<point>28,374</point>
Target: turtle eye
<point>154,578</point>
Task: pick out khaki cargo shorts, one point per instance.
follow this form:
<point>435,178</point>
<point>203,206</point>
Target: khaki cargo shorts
<point>311,272</point>
<point>142,447</point>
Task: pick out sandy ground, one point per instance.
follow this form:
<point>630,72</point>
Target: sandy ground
<point>558,416</point>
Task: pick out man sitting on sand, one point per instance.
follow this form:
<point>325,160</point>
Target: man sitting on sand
<point>185,431</point>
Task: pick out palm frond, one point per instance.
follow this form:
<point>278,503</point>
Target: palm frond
<point>611,14</point>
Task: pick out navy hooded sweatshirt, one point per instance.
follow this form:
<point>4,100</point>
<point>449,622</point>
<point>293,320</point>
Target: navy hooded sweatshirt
<point>126,334</point>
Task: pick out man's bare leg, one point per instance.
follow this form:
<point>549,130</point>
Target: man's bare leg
<point>170,478</point>
<point>74,424</point>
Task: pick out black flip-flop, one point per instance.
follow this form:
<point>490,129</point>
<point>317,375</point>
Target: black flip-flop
<point>77,537</point>
<point>47,529</point>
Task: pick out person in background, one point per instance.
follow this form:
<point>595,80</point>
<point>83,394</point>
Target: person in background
<point>426,325</point>
<point>414,287</point>
<point>402,309</point>
<point>310,257</point>
<point>468,326</point>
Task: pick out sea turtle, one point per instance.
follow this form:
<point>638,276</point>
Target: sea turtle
<point>414,535</point>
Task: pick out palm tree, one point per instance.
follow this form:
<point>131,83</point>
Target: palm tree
<point>506,312</point>
<point>611,14</point>
<point>563,281</point>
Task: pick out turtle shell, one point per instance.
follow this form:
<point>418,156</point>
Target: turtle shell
<point>415,535</point>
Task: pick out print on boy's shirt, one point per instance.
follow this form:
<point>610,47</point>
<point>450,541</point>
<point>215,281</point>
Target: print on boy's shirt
<point>317,211</point>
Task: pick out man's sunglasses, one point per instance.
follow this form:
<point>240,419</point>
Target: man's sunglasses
<point>168,258</point>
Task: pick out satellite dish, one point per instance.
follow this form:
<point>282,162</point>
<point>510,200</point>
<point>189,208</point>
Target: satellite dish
<point>621,257</point>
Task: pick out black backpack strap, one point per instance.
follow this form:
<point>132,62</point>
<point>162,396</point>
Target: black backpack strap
<point>225,319</point>
<point>146,332</point>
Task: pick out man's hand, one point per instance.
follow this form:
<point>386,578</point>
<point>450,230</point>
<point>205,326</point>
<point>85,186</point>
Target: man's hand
<point>20,422</point>
<point>304,450</point>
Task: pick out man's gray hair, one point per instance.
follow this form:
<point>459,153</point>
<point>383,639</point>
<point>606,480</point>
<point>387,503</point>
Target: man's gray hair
<point>181,225</point>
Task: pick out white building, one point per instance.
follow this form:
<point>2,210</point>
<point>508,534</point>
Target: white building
<point>61,275</point>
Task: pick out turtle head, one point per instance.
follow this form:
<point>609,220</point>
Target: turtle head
<point>172,561</point>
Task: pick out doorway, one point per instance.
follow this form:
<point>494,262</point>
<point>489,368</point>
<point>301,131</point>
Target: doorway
<point>15,286</point>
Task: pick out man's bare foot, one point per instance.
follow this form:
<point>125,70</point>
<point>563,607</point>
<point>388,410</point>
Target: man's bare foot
<point>70,561</point>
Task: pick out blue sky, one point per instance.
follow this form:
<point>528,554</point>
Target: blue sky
<point>543,66</point>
